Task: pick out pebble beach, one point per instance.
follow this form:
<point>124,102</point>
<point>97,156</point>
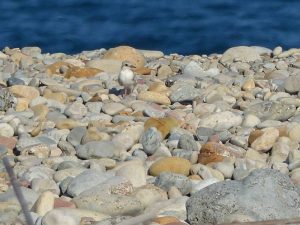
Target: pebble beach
<point>201,139</point>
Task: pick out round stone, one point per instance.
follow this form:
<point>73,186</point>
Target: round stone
<point>170,164</point>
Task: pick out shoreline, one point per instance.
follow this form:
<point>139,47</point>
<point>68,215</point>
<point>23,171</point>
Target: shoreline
<point>199,139</point>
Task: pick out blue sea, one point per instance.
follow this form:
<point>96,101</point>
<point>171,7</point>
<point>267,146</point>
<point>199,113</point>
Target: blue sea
<point>172,26</point>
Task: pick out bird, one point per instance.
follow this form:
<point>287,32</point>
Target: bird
<point>127,77</point>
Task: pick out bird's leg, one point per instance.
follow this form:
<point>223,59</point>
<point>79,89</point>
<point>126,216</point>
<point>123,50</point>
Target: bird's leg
<point>125,92</point>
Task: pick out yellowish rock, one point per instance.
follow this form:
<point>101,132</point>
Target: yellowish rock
<point>59,96</point>
<point>69,124</point>
<point>126,53</point>
<point>44,203</point>
<point>58,68</point>
<point>24,91</point>
<point>75,62</point>
<point>158,87</point>
<point>165,220</point>
<point>294,133</point>
<point>22,104</point>
<point>78,72</point>
<point>248,85</point>
<point>156,97</point>
<point>142,71</point>
<point>40,111</point>
<point>93,134</point>
<point>170,164</point>
<point>164,125</point>
<point>265,141</point>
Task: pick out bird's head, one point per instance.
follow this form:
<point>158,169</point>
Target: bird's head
<point>127,64</point>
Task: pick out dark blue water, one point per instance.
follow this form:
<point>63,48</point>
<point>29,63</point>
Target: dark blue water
<point>182,26</point>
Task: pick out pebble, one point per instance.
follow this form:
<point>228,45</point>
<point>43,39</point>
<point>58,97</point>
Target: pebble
<point>221,121</point>
<point>151,140</point>
<point>170,164</point>
<point>80,149</point>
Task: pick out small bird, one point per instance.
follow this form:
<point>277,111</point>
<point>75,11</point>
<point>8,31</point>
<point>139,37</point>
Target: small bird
<point>126,77</point>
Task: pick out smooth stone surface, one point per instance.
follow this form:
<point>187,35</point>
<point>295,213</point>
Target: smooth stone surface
<point>184,93</point>
<point>86,180</point>
<point>221,121</point>
<point>166,180</point>
<point>97,149</point>
<point>134,171</point>
<point>262,188</point>
<point>170,164</point>
<point>187,142</point>
<point>70,216</point>
<point>271,111</point>
<point>109,204</point>
<point>242,53</point>
<point>151,140</point>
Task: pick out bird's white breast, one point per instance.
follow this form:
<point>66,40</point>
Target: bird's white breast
<point>126,76</point>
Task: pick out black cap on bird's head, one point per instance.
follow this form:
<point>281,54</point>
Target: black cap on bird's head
<point>128,64</point>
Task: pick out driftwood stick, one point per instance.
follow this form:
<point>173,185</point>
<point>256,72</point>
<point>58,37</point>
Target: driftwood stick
<point>268,222</point>
<point>18,191</point>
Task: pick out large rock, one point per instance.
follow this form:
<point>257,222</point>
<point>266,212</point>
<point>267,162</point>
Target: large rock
<point>106,65</point>
<point>242,53</point>
<point>292,84</point>
<point>96,149</point>
<point>271,111</point>
<point>126,53</point>
<point>70,216</point>
<point>221,121</point>
<point>264,195</point>
<point>184,93</point>
<point>109,204</point>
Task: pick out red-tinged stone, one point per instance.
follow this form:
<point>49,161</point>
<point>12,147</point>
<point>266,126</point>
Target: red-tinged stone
<point>60,203</point>
<point>9,142</point>
<point>24,183</point>
<point>212,152</point>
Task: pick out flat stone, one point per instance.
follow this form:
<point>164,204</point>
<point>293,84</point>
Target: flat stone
<point>271,111</point>
<point>78,72</point>
<point>292,84</point>
<point>44,203</point>
<point>241,53</point>
<point>184,93</point>
<point>134,171</point>
<point>113,108</point>
<point>6,130</point>
<point>106,65</point>
<point>75,135</point>
<point>76,110</point>
<point>250,197</point>
<point>164,125</point>
<point>266,140</point>
<point>170,164</point>
<point>109,204</point>
<point>151,140</point>
<point>24,91</point>
<point>213,152</point>
<point>188,142</point>
<point>86,180</point>
<point>166,180</point>
<point>71,216</point>
<point>97,149</point>
<point>221,121</point>
<point>156,97</point>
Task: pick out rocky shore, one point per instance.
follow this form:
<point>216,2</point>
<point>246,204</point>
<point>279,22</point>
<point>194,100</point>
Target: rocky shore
<point>201,139</point>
